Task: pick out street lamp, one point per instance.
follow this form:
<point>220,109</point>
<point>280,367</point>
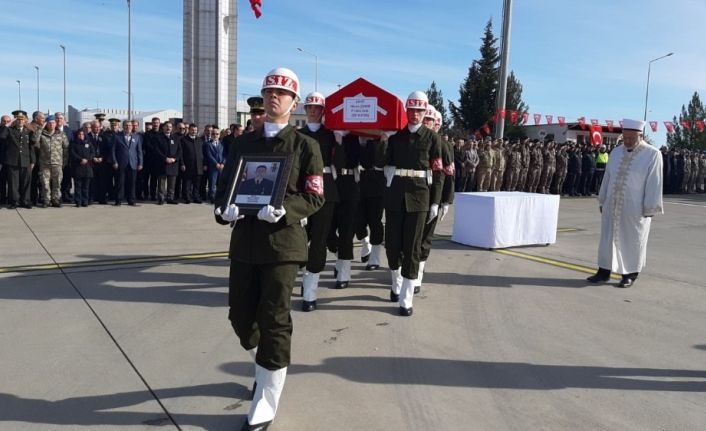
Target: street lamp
<point>129,60</point>
<point>19,92</point>
<point>647,92</point>
<point>37,67</point>
<point>63,50</point>
<point>316,59</point>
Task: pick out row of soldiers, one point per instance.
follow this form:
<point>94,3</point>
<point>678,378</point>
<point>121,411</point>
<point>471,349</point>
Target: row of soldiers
<point>529,166</point>
<point>684,171</point>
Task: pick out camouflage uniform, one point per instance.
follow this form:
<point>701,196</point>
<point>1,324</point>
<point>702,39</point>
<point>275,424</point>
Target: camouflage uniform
<point>684,186</point>
<point>484,170</point>
<point>548,169</point>
<point>535,170</point>
<point>496,182</point>
<point>701,180</point>
<point>562,166</point>
<point>694,180</point>
<point>514,168</point>
<point>53,154</point>
<point>524,170</point>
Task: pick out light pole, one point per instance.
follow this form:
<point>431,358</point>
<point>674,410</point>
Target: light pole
<point>505,53</point>
<point>19,92</point>
<point>37,67</point>
<point>66,114</point>
<point>647,92</point>
<point>129,60</point>
<point>316,59</point>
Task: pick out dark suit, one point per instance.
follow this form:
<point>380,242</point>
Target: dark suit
<point>192,160</point>
<point>253,187</point>
<point>127,153</point>
<point>66,174</point>
<point>82,174</point>
<point>167,147</point>
<point>18,157</point>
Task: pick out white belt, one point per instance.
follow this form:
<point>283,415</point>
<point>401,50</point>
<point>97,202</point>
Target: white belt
<point>410,173</point>
<point>345,172</point>
<point>374,168</point>
<point>327,169</point>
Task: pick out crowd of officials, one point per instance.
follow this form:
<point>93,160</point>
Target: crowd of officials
<point>44,163</point>
<point>569,169</point>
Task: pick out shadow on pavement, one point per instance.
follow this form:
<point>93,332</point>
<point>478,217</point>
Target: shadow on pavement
<point>95,410</point>
<point>443,278</point>
<point>500,375</point>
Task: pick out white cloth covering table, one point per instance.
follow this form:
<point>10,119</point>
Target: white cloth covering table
<point>505,219</point>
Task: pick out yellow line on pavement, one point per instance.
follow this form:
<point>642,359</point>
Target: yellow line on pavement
<point>553,262</point>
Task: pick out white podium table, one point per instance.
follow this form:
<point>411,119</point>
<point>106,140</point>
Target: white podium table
<point>505,219</point>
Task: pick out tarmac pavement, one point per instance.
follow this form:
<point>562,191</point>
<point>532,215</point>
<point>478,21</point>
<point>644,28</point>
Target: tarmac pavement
<point>131,337</point>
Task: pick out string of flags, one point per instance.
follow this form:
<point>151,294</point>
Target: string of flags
<point>515,117</point>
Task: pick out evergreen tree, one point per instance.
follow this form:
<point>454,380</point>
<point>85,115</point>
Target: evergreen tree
<point>690,138</point>
<point>436,99</point>
<point>514,102</point>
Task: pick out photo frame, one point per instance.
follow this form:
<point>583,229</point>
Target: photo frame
<point>259,180</point>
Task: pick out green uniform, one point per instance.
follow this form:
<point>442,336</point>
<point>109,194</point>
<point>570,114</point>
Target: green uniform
<point>53,153</point>
<point>372,188</point>
<point>408,198</point>
<point>17,157</point>
<point>265,256</point>
<point>447,197</point>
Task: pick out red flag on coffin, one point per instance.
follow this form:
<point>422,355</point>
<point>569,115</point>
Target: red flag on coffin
<point>610,125</point>
<point>596,135</point>
<point>653,126</point>
<point>670,126</point>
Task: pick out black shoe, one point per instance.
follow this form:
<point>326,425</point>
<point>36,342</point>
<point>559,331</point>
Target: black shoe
<point>406,312</point>
<point>12,206</point>
<point>172,202</point>
<point>132,204</point>
<point>117,204</point>
<point>626,282</point>
<point>365,258</point>
<point>40,205</point>
<point>417,289</point>
<point>78,205</point>
<point>160,202</point>
<point>56,204</point>
<point>197,201</point>
<point>371,267</point>
<point>394,297</point>
<point>601,276</point>
<point>103,202</point>
<point>308,306</point>
<point>85,204</point>
<point>341,284</point>
<point>187,202</point>
<point>257,427</point>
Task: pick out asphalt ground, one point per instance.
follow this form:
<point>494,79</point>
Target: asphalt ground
<point>115,318</point>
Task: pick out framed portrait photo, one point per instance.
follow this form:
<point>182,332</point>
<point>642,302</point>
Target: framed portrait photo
<point>260,180</point>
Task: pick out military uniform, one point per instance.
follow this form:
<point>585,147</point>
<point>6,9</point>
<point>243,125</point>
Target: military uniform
<point>18,158</point>
<point>701,179</point>
<point>496,182</point>
<point>319,223</point>
<point>548,170</point>
<point>417,182</point>
<point>515,168</point>
<point>53,151</point>
<point>535,170</point>
<point>562,163</point>
<point>484,171</point>
<point>372,187</point>
<point>693,181</point>
<point>265,256</point>
<point>525,162</point>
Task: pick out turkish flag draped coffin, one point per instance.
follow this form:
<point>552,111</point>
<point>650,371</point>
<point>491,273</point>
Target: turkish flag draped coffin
<point>364,108</point>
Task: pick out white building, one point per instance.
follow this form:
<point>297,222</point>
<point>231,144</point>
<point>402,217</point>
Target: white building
<point>210,67</point>
<point>570,132</point>
<point>78,117</point>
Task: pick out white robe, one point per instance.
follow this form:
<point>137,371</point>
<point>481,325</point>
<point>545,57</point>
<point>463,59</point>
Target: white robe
<point>631,192</point>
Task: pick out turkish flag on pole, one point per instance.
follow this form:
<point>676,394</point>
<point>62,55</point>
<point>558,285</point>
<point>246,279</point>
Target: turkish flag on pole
<point>685,124</point>
<point>513,117</point>
<point>653,125</point>
<point>549,119</point>
<point>582,123</point>
<point>486,128</point>
<point>561,120</point>
<point>537,119</point>
<point>609,123</point>
<point>501,114</point>
<point>525,117</point>
<point>596,135</point>
<point>670,126</point>
<point>700,125</point>
<point>256,5</point>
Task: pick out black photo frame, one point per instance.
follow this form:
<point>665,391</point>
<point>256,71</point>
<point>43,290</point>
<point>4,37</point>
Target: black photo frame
<point>253,187</point>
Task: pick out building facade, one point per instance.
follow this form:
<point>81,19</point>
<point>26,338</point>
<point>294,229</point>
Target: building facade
<point>78,117</point>
<point>209,65</point>
<point>570,132</point>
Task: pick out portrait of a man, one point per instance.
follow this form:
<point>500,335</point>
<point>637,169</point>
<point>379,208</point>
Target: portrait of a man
<point>258,184</point>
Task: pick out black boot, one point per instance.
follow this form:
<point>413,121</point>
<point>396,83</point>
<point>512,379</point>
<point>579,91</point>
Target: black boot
<point>394,297</point>
<point>308,306</point>
<point>601,276</point>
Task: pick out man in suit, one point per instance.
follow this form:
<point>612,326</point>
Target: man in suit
<point>167,162</point>
<point>258,185</point>
<point>213,155</point>
<point>18,159</point>
<point>127,161</point>
<point>5,122</point>
<point>192,164</point>
<point>95,138</point>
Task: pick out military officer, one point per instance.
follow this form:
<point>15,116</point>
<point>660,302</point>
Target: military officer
<point>496,180</point>
<point>319,223</point>
<point>548,168</point>
<point>484,171</point>
<point>414,171</point>
<point>267,249</point>
<point>257,112</point>
<point>535,168</point>
<point>53,150</point>
<point>18,160</point>
<point>562,164</point>
<point>525,149</point>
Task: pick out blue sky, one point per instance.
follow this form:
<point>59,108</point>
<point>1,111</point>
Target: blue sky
<point>588,60</point>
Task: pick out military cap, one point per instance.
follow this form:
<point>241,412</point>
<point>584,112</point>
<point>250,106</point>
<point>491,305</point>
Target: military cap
<point>19,114</point>
<point>113,120</point>
<point>256,103</point>
<point>100,116</point>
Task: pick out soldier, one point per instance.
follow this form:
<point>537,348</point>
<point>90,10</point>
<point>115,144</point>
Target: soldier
<point>369,213</point>
<point>548,168</point>
<point>573,172</point>
<point>693,181</point>
<point>525,149</point>
<point>52,144</point>
<point>701,180</point>
<point>484,170</point>
<point>5,122</point>
<point>588,167</point>
<point>535,168</point>
<point>432,120</point>
<point>496,180</point>
<point>35,127</point>
<point>319,223</point>
<point>414,171</point>
<point>562,163</point>
<point>514,167</point>
<point>687,172</point>
<point>266,250</point>
<point>18,161</point>
<point>257,112</point>
<point>107,170</point>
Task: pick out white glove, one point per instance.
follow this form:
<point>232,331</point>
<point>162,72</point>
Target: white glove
<point>389,172</point>
<point>433,212</point>
<point>304,222</point>
<point>443,211</point>
<point>334,174</point>
<point>231,213</point>
<point>356,174</point>
<point>270,214</point>
<point>339,134</point>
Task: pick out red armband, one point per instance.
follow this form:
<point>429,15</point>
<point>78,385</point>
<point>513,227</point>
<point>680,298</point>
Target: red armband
<point>450,170</point>
<point>314,184</point>
<point>437,165</point>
